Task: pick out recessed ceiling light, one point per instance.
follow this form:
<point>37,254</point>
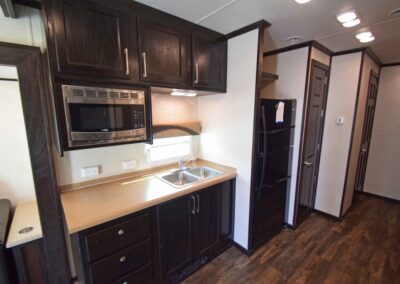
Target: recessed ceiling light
<point>365,37</point>
<point>352,23</point>
<point>302,1</point>
<point>294,39</point>
<point>346,16</point>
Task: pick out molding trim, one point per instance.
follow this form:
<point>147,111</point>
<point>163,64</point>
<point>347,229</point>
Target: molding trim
<point>378,196</point>
<point>336,218</point>
<point>242,249</point>
<point>390,64</point>
<point>262,24</point>
<point>311,43</point>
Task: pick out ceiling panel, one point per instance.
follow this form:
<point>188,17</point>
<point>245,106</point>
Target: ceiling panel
<point>314,20</point>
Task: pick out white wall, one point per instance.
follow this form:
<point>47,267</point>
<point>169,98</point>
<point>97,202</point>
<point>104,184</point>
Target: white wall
<point>345,72</point>
<point>368,65</point>
<point>383,176</point>
<point>16,180</point>
<point>227,122</point>
<point>291,67</point>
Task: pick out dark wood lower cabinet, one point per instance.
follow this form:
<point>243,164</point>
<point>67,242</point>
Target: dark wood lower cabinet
<point>194,229</point>
<point>164,243</point>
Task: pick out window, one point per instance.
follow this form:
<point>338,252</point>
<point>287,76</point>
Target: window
<point>166,149</point>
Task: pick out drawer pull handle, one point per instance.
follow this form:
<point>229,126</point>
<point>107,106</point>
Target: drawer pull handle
<point>120,232</point>
<point>122,259</point>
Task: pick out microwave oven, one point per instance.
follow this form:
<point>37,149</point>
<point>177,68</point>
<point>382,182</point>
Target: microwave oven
<point>101,116</point>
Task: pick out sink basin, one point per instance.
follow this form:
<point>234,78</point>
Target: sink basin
<point>179,179</point>
<point>204,172</point>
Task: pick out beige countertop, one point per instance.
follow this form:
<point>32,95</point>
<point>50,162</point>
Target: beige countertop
<point>94,204</point>
<point>26,215</point>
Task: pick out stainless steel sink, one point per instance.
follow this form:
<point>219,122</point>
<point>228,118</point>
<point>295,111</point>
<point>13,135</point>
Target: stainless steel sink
<point>204,172</point>
<point>179,179</point>
<point>185,177</point>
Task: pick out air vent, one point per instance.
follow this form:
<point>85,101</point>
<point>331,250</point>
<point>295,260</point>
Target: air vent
<point>294,40</point>
<point>102,94</point>
<point>124,95</point>
<point>395,13</point>
<point>114,95</point>
<point>90,93</point>
<point>77,92</point>
<point>134,96</point>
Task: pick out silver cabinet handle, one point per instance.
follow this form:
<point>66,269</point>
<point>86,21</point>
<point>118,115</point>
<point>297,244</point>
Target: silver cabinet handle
<point>144,65</point>
<point>121,232</point>
<point>122,259</point>
<point>198,204</point>
<point>126,52</point>
<point>194,205</point>
<point>196,78</point>
<point>308,164</point>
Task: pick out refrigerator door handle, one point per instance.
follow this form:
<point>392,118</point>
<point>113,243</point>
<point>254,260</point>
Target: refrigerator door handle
<point>264,158</point>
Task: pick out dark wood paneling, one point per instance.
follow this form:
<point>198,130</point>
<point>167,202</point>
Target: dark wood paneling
<point>209,63</point>
<point>29,66</point>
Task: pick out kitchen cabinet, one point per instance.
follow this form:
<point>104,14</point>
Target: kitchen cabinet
<point>118,251</point>
<point>194,229</point>
<point>163,52</point>
<point>90,39</point>
<point>209,66</point>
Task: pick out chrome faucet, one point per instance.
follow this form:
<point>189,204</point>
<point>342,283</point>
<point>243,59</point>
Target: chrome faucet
<point>182,163</point>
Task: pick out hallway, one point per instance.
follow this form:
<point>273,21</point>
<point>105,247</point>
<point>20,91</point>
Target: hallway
<point>363,248</point>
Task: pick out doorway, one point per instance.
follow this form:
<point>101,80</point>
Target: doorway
<point>367,130</point>
<point>312,140</point>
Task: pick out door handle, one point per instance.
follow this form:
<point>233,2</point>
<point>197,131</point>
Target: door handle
<point>308,164</point>
<point>194,205</point>
<point>126,52</point>
<point>144,64</point>
<point>196,78</point>
<point>198,204</point>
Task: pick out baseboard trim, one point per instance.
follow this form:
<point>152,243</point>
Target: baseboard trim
<point>327,215</point>
<point>379,196</point>
<point>289,226</point>
<point>242,249</point>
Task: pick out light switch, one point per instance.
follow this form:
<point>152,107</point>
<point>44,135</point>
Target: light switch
<point>90,171</point>
<point>129,165</point>
<point>340,120</point>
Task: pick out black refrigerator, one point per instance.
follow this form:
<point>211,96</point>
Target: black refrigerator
<point>273,168</point>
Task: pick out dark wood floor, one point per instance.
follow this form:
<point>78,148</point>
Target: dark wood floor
<point>363,248</point>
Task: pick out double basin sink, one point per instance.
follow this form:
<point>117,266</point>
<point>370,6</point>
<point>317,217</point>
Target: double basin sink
<point>185,177</point>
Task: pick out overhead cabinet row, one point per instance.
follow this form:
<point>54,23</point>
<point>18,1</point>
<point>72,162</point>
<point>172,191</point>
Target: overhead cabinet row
<point>92,39</point>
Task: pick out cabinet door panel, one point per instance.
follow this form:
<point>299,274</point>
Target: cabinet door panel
<point>175,225</point>
<point>89,39</point>
<point>209,64</point>
<point>163,54</point>
<point>207,220</point>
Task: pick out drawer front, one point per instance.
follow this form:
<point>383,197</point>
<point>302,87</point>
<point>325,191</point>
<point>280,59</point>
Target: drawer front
<point>118,264</point>
<point>110,240</point>
<point>142,275</point>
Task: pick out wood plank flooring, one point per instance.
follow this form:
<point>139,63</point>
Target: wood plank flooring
<point>363,248</point>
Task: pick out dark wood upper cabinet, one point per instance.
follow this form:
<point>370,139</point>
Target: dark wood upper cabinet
<point>163,54</point>
<point>209,64</point>
<point>90,39</point>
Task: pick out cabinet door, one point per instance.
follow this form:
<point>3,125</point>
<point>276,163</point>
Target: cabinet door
<point>209,64</point>
<point>163,53</point>
<point>207,220</point>
<point>175,229</point>
<point>89,39</point>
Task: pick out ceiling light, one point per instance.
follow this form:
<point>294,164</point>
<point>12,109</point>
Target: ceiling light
<point>302,1</point>
<point>183,93</point>
<point>352,23</point>
<point>293,40</point>
<point>365,37</point>
<point>347,16</point>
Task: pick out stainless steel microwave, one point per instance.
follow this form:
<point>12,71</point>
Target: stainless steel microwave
<point>96,116</point>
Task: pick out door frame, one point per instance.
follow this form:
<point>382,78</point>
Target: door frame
<point>310,72</point>
<point>34,98</point>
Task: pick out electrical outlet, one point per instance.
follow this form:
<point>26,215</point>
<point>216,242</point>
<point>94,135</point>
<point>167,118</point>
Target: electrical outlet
<point>90,171</point>
<point>129,165</point>
<point>340,120</point>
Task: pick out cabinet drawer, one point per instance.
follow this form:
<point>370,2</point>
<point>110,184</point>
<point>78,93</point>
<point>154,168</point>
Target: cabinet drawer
<point>120,263</point>
<point>110,240</point>
<point>142,275</point>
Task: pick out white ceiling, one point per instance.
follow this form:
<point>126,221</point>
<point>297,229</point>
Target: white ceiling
<point>313,21</point>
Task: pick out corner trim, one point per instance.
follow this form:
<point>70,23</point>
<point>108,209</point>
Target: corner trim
<point>336,218</point>
<point>242,249</point>
<point>262,24</point>
<point>311,43</point>
<point>390,64</point>
<point>379,196</point>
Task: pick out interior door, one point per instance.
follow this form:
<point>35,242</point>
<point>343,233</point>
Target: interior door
<point>209,64</point>
<point>163,53</point>
<point>90,39</point>
<point>175,226</point>
<point>206,220</point>
<point>312,139</point>
<point>367,130</point>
